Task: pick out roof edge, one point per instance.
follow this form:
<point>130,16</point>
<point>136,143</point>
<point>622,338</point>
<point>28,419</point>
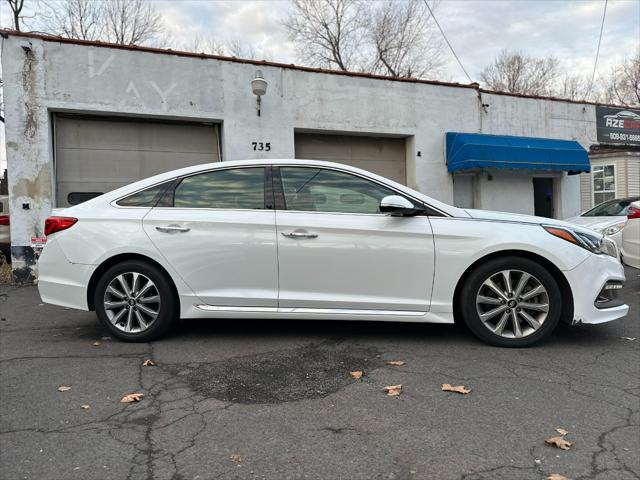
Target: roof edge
<point>265,63</point>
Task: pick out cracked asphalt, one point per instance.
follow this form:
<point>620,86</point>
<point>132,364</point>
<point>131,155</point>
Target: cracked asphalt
<point>265,399</point>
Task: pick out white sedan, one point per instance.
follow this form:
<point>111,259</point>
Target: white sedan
<point>608,218</point>
<point>297,239</point>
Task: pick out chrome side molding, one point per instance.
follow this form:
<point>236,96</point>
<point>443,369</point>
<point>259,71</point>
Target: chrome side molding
<point>304,310</point>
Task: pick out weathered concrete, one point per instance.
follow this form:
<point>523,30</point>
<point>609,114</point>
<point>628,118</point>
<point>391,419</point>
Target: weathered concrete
<point>42,77</point>
<point>279,395</point>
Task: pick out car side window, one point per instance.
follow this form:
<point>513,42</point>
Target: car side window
<point>235,188</point>
<point>322,190</point>
<point>144,198</point>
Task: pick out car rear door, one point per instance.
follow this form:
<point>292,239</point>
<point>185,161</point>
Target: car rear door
<point>337,251</point>
<point>217,230</point>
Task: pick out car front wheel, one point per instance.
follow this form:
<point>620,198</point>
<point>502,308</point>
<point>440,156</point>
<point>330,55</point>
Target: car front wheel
<point>135,301</point>
<point>511,302</point>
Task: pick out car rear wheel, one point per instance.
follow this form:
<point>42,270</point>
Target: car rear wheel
<point>511,302</point>
<point>135,301</point>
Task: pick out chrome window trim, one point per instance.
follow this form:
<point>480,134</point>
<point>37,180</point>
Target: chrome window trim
<point>278,165</point>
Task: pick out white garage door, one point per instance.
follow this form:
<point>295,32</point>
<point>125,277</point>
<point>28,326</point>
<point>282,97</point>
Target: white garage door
<point>384,156</point>
<point>96,155</point>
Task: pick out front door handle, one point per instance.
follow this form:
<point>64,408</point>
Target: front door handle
<point>172,229</point>
<point>299,234</point>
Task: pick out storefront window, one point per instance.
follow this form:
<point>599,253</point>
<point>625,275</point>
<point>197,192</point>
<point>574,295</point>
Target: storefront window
<point>604,183</point>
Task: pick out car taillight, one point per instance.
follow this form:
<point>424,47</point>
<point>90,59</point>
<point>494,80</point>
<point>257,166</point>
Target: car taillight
<point>4,219</point>
<point>633,213</point>
<point>57,224</point>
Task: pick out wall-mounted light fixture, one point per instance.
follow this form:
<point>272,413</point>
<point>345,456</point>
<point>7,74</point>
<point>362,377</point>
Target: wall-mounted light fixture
<point>259,87</point>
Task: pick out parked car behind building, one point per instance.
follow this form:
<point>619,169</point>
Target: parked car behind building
<point>608,218</point>
<point>5,237</point>
<point>631,237</point>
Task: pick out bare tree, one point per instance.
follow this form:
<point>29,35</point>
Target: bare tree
<point>82,19</point>
<point>622,83</point>
<point>126,22</point>
<point>205,44</point>
<point>327,33</point>
<point>576,87</point>
<point>515,72</point>
<point>230,48</point>
<point>16,10</point>
<point>131,22</point>
<point>404,39</point>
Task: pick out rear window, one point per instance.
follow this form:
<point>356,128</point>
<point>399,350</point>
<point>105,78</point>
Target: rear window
<point>144,198</point>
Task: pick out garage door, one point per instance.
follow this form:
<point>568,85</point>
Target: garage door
<point>384,156</point>
<point>96,155</point>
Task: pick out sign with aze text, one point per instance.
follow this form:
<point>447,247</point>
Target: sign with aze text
<point>618,126</point>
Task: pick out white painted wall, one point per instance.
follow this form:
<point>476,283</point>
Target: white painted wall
<point>494,189</point>
<point>90,79</point>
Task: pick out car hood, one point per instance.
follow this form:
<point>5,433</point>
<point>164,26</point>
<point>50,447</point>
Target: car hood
<point>597,223</point>
<point>515,217</point>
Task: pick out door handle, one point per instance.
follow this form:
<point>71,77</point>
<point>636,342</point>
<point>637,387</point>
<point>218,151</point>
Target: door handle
<point>172,229</point>
<point>299,234</point>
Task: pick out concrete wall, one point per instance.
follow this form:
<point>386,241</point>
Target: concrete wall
<point>43,77</point>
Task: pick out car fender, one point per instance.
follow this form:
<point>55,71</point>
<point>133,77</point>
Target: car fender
<point>460,243</point>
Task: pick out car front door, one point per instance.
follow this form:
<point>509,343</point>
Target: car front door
<point>217,230</point>
<point>337,251</point>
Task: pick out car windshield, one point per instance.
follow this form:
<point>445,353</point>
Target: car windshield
<point>611,208</point>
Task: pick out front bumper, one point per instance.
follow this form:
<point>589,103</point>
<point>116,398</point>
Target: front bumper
<point>587,281</point>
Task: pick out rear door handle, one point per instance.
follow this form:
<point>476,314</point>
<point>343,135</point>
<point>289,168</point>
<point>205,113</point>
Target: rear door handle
<point>172,229</point>
<point>299,234</point>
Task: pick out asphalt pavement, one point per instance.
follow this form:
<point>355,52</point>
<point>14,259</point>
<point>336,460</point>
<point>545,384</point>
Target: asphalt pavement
<point>274,399</point>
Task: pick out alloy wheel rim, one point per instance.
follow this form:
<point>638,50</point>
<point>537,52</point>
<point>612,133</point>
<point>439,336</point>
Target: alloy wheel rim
<point>132,302</point>
<point>512,303</point>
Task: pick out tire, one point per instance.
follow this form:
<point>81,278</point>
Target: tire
<point>129,318</point>
<point>490,312</point>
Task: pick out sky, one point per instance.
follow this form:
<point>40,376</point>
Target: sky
<point>477,29</point>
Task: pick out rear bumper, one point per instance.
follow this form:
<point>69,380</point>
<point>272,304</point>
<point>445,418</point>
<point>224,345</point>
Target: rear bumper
<point>587,281</point>
<point>61,282</point>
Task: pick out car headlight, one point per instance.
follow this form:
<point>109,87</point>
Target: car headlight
<point>613,229</point>
<point>593,242</point>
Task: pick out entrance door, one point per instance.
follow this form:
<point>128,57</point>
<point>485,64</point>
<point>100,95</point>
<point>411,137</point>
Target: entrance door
<point>543,197</point>
<point>337,251</point>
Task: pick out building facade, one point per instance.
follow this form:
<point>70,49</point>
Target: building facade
<point>83,118</point>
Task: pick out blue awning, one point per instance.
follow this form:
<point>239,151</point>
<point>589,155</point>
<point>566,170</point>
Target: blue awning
<point>468,151</point>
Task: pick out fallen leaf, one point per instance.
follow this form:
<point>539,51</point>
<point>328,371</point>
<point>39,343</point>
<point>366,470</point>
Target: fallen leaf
<point>357,374</point>
<point>393,390</point>
<point>132,397</point>
<point>396,363</point>
<point>64,388</point>
<point>148,363</point>
<point>85,407</point>
<point>556,476</point>
<point>96,344</point>
<point>631,339</point>
<point>237,458</point>
<point>559,442</point>
<point>459,389</point>
<point>561,431</point>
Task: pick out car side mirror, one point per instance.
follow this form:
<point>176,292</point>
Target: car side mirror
<point>398,206</point>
